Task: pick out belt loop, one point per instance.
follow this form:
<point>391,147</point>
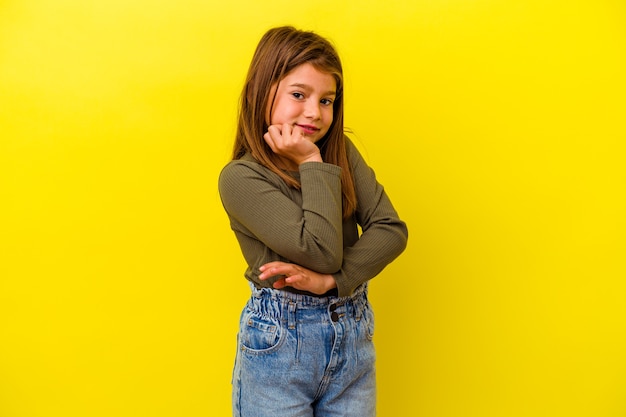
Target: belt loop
<point>291,317</point>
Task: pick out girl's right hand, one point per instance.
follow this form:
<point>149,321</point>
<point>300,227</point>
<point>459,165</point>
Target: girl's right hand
<point>289,142</point>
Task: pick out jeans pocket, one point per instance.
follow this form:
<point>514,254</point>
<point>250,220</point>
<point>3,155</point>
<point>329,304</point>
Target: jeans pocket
<point>260,334</point>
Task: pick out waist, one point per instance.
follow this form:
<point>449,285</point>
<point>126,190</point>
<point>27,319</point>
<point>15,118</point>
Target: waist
<point>304,299</point>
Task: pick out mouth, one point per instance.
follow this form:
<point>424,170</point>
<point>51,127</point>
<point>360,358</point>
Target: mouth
<point>308,129</point>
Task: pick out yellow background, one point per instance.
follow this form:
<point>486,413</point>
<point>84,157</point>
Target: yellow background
<point>497,128</point>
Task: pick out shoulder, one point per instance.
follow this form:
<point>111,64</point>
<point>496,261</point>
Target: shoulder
<point>241,171</point>
<point>247,165</point>
<point>350,147</point>
<point>355,158</point>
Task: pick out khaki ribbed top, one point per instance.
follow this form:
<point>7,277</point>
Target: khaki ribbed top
<point>275,222</point>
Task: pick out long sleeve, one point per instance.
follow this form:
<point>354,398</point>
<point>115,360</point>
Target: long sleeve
<point>303,227</point>
<point>384,236</point>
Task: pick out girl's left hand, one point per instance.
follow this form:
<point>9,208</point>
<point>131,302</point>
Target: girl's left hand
<point>298,277</point>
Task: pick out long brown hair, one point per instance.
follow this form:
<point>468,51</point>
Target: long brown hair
<point>279,51</point>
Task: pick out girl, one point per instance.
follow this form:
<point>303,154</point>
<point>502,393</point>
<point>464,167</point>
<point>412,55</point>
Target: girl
<point>296,192</point>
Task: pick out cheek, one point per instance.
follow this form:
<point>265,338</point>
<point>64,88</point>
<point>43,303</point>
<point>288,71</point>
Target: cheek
<point>328,117</point>
<point>282,112</point>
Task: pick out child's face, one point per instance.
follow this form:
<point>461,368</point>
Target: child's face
<point>305,99</point>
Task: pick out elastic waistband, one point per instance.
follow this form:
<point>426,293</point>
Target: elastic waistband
<point>303,300</point>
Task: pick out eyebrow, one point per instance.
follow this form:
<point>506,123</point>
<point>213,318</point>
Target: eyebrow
<point>309,88</point>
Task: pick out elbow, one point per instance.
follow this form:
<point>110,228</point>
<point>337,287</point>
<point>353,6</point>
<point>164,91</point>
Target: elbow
<point>322,259</point>
<point>405,234</point>
<point>333,267</point>
<point>403,237</point>
<point>325,255</point>
<point>330,262</point>
<point>400,238</point>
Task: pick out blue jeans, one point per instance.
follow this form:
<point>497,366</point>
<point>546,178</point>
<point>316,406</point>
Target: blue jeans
<point>305,356</point>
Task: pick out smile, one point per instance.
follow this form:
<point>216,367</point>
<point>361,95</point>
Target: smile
<point>308,129</point>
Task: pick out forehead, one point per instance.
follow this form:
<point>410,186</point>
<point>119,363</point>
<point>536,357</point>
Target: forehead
<point>306,75</point>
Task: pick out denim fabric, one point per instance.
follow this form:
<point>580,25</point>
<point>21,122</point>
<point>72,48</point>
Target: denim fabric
<point>305,356</point>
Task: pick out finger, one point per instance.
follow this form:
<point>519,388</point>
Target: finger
<point>270,140</point>
<point>292,133</point>
<point>293,280</point>
<point>273,264</point>
<point>272,269</point>
<point>275,131</point>
<point>280,283</point>
<point>296,132</point>
<point>277,128</point>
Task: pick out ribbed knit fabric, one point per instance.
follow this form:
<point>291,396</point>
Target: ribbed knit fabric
<point>275,222</point>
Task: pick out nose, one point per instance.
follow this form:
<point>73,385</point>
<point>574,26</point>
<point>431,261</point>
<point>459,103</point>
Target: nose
<point>312,110</point>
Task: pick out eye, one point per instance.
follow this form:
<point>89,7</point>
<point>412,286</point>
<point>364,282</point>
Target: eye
<point>297,95</point>
<point>326,101</point>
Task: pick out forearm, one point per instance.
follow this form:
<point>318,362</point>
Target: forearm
<point>370,255</point>
<point>384,235</point>
<point>301,226</point>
